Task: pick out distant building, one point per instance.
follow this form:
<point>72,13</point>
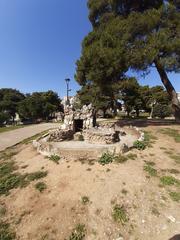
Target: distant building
<point>178,95</point>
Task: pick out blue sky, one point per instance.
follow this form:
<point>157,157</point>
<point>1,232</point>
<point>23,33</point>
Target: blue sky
<point>40,41</point>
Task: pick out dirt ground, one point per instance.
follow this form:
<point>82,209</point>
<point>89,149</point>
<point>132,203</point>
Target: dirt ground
<point>151,214</point>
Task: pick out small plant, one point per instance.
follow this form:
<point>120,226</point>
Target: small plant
<point>40,186</point>
<point>5,232</point>
<point>175,196</point>
<point>78,233</point>
<point>140,145</point>
<point>36,175</point>
<point>150,163</point>
<point>151,171</point>
<point>119,214</point>
<point>173,171</point>
<point>124,191</point>
<point>106,158</point>
<point>54,158</point>
<point>85,200</point>
<point>169,180</point>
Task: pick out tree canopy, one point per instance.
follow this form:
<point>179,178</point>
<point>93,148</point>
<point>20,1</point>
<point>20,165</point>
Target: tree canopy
<point>129,35</point>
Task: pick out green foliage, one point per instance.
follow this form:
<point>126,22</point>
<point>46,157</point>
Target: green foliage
<point>5,232</point>
<point>130,35</point>
<point>4,117</point>
<point>175,196</point>
<point>140,145</point>
<point>78,233</point>
<point>119,214</point>
<point>85,200</point>
<point>120,158</point>
<point>172,133</point>
<point>151,171</point>
<point>36,175</point>
<point>169,180</point>
<point>162,111</point>
<point>55,158</point>
<point>40,186</point>
<point>106,158</point>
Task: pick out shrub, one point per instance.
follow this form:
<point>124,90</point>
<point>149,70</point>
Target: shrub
<point>140,145</point>
<point>119,214</point>
<point>106,158</point>
<point>54,158</point>
<point>120,159</point>
<point>40,186</point>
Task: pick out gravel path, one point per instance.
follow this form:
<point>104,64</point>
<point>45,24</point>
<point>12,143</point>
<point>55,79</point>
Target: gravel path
<point>8,139</point>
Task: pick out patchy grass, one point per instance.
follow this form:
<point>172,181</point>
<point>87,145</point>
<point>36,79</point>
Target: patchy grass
<point>85,200</point>
<point>41,186</point>
<point>173,171</point>
<point>175,196</point>
<point>54,158</point>
<point>106,158</point>
<point>150,163</point>
<point>36,175</point>
<point>7,129</point>
<point>149,139</point>
<point>5,232</point>
<point>169,180</point>
<point>174,133</point>
<point>120,158</point>
<point>78,233</point>
<point>150,170</point>
<point>132,156</point>
<point>30,139</point>
<point>119,214</point>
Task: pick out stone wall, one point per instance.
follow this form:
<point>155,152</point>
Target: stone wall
<point>85,114</point>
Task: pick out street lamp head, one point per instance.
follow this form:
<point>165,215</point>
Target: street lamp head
<point>67,80</point>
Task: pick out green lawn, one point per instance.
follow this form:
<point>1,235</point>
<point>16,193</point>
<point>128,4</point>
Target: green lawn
<point>6,129</point>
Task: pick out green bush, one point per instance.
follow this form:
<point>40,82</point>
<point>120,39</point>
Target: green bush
<point>119,214</point>
<point>140,145</point>
<point>106,158</point>
<point>54,158</point>
<point>78,233</point>
<point>5,232</point>
<point>152,172</point>
<point>169,180</point>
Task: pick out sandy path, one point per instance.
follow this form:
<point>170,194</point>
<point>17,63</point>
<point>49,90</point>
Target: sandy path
<point>8,139</point>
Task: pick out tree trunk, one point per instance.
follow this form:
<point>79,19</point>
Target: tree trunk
<point>170,89</point>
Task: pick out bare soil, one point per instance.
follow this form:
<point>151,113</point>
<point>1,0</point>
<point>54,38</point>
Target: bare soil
<point>54,213</point>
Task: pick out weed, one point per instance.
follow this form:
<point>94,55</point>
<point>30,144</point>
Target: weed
<point>54,158</point>
<point>85,200</point>
<point>132,156</point>
<point>148,140</point>
<point>120,159</point>
<point>2,211</point>
<point>78,233</point>
<point>40,186</point>
<point>155,211</point>
<point>151,171</point>
<point>5,232</point>
<point>36,175</point>
<point>175,196</point>
<point>150,163</point>
<point>106,158</point>
<point>119,214</point>
<point>124,191</point>
<point>140,145</point>
<point>171,133</point>
<point>169,180</point>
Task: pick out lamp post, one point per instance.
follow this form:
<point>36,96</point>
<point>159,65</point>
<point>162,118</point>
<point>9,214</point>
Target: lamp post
<point>68,90</point>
